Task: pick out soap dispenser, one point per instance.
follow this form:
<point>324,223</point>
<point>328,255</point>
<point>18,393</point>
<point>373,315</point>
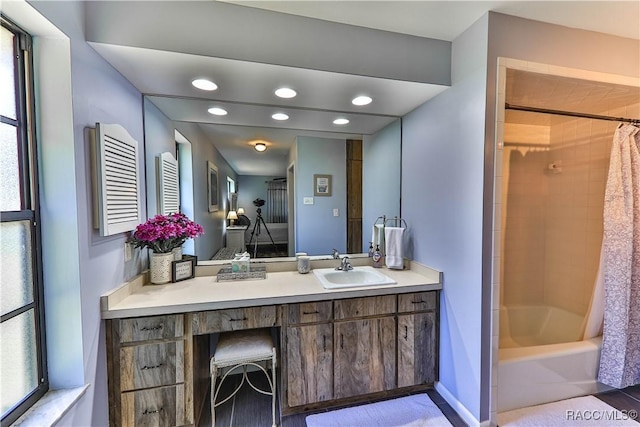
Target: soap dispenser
<point>370,249</point>
<point>377,257</point>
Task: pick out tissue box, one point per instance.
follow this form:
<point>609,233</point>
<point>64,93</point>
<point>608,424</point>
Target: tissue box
<point>240,264</point>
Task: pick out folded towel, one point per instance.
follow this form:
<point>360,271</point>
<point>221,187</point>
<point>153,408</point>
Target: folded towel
<point>377,236</point>
<point>393,253</point>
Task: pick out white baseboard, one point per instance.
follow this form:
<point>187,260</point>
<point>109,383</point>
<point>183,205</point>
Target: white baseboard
<point>464,413</point>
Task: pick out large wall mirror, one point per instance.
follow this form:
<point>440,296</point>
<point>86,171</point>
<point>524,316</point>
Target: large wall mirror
<point>308,191</point>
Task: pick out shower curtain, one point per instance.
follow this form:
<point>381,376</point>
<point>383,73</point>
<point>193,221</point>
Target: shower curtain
<point>620,264</point>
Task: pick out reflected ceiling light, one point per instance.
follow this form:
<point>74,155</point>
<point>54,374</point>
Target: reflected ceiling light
<point>361,100</point>
<point>340,121</point>
<point>217,111</point>
<point>204,84</point>
<point>285,92</point>
<point>280,116</point>
<point>260,146</point>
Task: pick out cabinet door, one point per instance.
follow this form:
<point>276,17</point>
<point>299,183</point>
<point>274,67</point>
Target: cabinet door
<point>416,349</point>
<point>309,364</point>
<point>365,356</point>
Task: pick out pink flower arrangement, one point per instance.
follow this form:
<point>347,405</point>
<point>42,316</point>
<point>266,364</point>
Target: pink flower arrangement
<point>163,233</point>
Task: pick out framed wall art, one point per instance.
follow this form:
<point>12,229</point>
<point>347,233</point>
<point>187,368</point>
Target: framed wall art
<point>322,185</point>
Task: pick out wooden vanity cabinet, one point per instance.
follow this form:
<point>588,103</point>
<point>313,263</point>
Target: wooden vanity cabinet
<point>309,353</point>
<point>417,338</point>
<point>348,350</point>
<point>148,382</point>
<point>365,346</point>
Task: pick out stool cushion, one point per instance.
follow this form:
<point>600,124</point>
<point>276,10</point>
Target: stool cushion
<point>239,346</point>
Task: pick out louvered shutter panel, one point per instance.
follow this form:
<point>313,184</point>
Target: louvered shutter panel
<point>118,180</point>
<point>169,197</point>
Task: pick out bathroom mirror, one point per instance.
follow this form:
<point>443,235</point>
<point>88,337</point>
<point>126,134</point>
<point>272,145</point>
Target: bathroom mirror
<point>316,224</point>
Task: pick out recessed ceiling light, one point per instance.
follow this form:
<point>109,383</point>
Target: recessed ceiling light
<point>217,111</point>
<point>204,84</point>
<point>340,121</point>
<point>280,116</point>
<point>285,92</point>
<point>260,146</point>
<point>361,100</point>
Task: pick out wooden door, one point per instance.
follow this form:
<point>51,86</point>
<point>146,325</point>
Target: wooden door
<point>365,356</point>
<point>416,349</point>
<point>309,364</point>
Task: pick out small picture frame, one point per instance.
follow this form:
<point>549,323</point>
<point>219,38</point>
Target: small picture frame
<point>183,269</point>
<point>322,185</point>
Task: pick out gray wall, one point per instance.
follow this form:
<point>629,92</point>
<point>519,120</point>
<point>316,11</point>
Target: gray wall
<point>250,187</point>
<point>99,94</point>
<point>442,199</point>
<point>380,177</point>
<point>317,230</point>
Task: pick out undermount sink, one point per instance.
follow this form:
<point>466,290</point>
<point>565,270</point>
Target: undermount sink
<point>331,278</point>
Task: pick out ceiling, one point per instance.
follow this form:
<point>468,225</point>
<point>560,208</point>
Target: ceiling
<point>245,89</point>
<point>566,94</point>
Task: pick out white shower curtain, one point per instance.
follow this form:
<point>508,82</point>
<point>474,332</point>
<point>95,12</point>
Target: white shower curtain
<point>620,263</point>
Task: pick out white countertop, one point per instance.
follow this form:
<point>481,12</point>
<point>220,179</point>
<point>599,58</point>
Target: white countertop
<point>204,293</point>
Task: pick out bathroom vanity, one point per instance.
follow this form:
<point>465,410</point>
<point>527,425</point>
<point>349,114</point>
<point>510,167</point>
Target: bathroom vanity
<point>336,346</point>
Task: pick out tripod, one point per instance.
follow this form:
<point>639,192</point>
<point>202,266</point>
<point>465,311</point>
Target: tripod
<point>256,232</point>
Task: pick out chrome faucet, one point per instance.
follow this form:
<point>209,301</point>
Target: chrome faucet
<point>335,254</point>
<point>345,265</point>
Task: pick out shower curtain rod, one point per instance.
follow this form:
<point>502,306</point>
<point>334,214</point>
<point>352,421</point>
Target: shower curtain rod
<point>569,113</point>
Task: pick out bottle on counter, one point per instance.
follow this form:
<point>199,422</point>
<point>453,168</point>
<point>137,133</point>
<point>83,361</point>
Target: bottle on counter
<point>377,257</point>
<point>370,249</point>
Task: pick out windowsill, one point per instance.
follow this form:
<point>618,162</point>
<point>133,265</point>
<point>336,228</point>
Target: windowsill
<point>51,407</point>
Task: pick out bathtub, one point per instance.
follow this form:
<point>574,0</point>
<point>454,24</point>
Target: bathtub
<point>542,359</point>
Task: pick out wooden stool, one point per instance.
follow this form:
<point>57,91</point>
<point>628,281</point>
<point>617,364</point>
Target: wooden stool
<point>241,349</point>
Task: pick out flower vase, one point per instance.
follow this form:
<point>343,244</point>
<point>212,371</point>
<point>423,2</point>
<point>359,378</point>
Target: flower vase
<point>160,266</point>
<point>177,254</point>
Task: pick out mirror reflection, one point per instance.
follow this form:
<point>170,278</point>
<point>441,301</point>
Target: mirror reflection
<point>279,191</point>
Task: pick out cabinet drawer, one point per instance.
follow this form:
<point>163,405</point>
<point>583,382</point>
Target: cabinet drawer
<point>207,322</point>
<point>151,365</point>
<point>151,328</point>
<point>163,406</point>
<point>362,307</point>
<point>418,301</point>
<point>311,312</point>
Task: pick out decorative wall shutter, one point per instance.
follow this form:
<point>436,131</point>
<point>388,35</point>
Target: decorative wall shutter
<point>117,180</point>
<point>168,185</point>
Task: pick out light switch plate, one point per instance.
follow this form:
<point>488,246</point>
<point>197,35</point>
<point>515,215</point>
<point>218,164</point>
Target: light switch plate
<point>336,212</point>
<point>307,200</point>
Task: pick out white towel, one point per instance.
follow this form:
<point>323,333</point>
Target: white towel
<point>393,252</point>
<point>377,236</point>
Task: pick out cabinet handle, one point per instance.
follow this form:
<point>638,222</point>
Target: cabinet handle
<point>238,320</point>
<point>152,328</point>
<point>341,342</point>
<point>311,312</point>
<point>145,367</point>
<point>406,332</point>
<point>152,411</point>
<point>324,343</point>
<point>417,302</point>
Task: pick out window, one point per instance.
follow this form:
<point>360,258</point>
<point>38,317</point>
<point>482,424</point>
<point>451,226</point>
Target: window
<point>23,373</point>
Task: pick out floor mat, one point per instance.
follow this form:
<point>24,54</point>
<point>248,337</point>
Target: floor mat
<point>416,410</point>
<point>577,412</point>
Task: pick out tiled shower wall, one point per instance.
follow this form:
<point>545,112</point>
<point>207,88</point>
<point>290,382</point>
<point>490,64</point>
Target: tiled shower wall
<point>552,222</point>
